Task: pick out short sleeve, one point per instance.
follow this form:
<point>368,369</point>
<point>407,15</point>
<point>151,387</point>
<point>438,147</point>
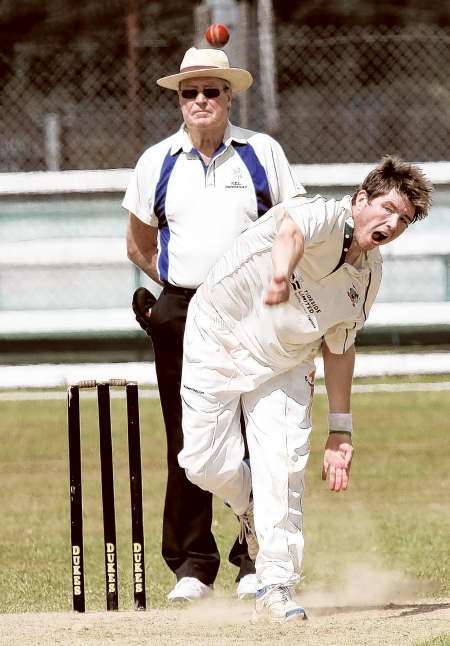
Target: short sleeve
<point>341,337</point>
<point>140,194</point>
<point>286,184</point>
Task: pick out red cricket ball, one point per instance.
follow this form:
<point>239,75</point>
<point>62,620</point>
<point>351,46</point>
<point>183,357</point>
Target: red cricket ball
<point>217,35</point>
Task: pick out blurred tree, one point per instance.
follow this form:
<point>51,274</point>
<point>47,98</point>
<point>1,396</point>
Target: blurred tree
<point>63,21</point>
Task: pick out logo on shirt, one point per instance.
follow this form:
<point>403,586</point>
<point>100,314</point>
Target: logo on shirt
<point>305,300</point>
<point>353,295</point>
<point>194,390</point>
<point>303,295</point>
<point>236,179</point>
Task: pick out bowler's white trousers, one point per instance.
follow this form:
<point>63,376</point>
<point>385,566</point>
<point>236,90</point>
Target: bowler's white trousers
<point>220,376</point>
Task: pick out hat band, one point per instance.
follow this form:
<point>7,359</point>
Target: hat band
<point>194,68</point>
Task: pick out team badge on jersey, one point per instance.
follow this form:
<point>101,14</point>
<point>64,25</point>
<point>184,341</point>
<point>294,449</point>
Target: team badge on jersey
<point>353,296</point>
<point>237,179</point>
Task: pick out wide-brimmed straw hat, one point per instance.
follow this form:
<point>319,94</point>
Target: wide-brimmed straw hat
<point>205,63</point>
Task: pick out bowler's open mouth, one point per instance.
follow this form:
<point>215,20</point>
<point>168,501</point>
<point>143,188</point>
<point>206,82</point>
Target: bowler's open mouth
<point>378,236</point>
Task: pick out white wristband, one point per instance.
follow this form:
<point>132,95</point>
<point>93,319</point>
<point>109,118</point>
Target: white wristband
<point>340,423</point>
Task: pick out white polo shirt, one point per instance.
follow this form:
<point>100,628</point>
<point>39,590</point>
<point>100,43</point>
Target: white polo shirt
<point>328,298</point>
<point>199,211</point>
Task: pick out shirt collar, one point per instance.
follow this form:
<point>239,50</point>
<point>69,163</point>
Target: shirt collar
<point>182,140</point>
<point>232,133</point>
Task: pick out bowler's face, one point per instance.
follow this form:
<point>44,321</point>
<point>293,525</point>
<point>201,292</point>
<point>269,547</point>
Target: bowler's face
<point>381,220</point>
<point>203,112</point>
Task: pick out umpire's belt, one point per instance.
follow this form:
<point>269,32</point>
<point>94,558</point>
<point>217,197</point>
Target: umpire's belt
<point>182,291</point>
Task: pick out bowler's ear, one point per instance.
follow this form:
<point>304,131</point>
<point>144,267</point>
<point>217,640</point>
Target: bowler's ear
<point>361,199</point>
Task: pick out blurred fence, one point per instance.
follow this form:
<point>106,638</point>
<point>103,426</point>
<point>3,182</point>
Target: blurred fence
<point>66,283</point>
<point>343,94</point>
<point>63,240</point>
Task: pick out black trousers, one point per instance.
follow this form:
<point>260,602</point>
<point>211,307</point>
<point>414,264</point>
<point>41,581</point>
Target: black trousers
<point>188,545</point>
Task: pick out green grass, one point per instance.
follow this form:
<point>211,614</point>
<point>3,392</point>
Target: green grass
<point>401,379</point>
<point>397,508</point>
<point>394,516</point>
<point>442,640</point>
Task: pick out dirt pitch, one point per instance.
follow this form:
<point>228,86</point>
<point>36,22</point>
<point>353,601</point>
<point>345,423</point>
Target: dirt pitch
<point>224,622</point>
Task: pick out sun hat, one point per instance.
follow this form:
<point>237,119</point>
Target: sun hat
<point>205,63</point>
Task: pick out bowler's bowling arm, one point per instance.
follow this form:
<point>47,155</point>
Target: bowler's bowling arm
<point>287,250</point>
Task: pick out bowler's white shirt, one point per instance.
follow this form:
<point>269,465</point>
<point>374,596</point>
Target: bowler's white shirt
<point>326,300</point>
<point>199,210</point>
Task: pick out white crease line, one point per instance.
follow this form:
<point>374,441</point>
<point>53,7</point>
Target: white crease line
<point>20,395</point>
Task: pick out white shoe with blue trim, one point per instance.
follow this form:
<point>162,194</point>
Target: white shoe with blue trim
<point>275,602</point>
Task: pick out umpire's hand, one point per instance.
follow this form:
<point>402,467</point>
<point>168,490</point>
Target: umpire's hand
<point>142,303</point>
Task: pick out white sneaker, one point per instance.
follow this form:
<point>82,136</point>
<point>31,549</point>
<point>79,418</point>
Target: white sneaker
<point>189,589</point>
<point>247,531</point>
<point>247,586</point>
<point>275,603</point>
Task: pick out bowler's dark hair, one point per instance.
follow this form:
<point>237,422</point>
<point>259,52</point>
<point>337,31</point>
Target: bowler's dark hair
<point>403,177</point>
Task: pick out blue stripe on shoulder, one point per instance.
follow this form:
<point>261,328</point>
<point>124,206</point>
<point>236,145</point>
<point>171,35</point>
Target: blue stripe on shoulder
<point>258,175</point>
<point>160,212</point>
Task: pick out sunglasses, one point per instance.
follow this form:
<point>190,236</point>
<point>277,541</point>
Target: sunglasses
<point>208,93</point>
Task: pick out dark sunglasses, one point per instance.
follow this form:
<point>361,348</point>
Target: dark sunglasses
<point>208,93</point>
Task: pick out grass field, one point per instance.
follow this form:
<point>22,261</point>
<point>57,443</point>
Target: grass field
<point>387,536</point>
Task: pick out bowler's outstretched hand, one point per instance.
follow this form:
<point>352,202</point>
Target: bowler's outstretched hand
<point>337,461</point>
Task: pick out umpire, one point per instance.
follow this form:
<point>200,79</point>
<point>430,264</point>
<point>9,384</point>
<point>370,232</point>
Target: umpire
<point>189,197</point>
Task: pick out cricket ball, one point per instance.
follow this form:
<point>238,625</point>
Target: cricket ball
<point>217,35</point>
